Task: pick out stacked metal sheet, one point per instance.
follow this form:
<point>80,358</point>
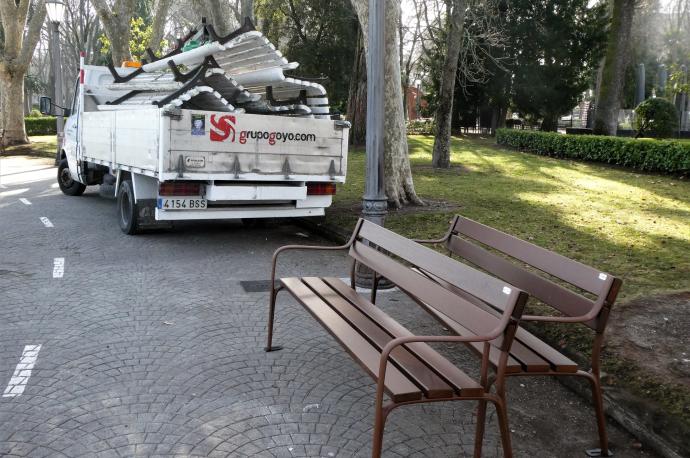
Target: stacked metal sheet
<point>242,72</point>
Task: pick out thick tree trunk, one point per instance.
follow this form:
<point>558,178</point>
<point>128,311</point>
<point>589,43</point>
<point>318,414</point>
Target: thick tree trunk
<point>12,93</point>
<point>398,175</point>
<point>119,43</point>
<point>357,98</point>
<point>613,74</point>
<point>160,17</point>
<point>116,24</point>
<point>21,26</point>
<point>444,110</point>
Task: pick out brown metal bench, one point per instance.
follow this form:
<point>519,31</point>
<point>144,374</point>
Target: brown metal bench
<point>403,365</point>
<point>529,355</point>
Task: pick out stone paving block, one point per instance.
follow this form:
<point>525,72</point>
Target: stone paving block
<point>150,347</point>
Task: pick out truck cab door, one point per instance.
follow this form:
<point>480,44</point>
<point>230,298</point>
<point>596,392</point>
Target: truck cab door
<point>71,137</point>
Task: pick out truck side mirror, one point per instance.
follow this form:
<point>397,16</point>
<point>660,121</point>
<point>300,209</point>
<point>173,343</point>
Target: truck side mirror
<point>45,105</point>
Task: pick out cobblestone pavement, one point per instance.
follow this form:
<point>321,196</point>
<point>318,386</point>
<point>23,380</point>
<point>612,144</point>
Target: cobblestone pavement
<point>150,346</point>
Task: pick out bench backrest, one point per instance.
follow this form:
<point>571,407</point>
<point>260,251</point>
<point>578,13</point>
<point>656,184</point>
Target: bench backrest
<point>463,239</point>
<point>492,291</point>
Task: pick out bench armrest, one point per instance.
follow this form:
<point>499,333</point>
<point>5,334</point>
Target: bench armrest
<point>390,346</point>
<point>593,314</point>
<point>310,248</point>
<point>431,241</point>
<point>443,239</point>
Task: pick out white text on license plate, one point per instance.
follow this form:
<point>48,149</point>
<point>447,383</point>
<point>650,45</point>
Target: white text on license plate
<point>181,204</point>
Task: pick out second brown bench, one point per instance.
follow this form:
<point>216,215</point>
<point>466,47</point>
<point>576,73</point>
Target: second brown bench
<point>505,256</point>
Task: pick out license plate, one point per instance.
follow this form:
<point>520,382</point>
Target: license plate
<point>181,204</point>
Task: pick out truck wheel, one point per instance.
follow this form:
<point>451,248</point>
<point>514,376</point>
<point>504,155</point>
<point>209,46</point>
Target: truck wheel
<point>127,208</point>
<point>67,185</point>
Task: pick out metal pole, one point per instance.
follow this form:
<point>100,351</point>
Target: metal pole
<point>57,71</point>
<point>374,202</point>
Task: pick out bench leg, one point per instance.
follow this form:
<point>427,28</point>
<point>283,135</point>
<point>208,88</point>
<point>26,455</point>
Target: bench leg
<point>479,431</point>
<point>271,315</point>
<point>379,424</point>
<point>598,400</point>
<point>502,411</point>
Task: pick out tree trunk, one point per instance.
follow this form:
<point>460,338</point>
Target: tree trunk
<point>444,110</point>
<point>613,74</point>
<point>550,123</point>
<point>21,26</point>
<point>116,24</point>
<point>160,16</point>
<point>398,175</point>
<point>357,98</point>
<point>247,10</point>
<point>12,93</point>
<point>119,43</point>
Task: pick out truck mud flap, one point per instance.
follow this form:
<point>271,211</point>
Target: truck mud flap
<point>147,216</point>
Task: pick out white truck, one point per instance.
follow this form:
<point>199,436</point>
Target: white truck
<point>233,138</point>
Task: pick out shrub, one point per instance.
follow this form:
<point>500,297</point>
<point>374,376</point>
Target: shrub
<point>420,127</point>
<point>45,125</point>
<point>656,118</point>
<point>35,114</point>
<point>640,154</point>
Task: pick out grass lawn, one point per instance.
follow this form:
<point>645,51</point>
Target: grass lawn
<point>633,225</point>
<point>41,145</point>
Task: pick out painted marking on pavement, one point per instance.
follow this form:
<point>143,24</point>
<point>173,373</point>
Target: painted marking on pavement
<point>58,267</point>
<point>24,201</point>
<point>21,375</point>
<point>46,222</point>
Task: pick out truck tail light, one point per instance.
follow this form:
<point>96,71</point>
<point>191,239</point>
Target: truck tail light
<point>320,189</point>
<point>179,188</point>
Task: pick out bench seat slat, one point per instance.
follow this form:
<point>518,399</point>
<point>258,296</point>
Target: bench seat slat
<point>558,361</point>
<point>432,385</point>
<point>463,383</point>
<point>397,385</point>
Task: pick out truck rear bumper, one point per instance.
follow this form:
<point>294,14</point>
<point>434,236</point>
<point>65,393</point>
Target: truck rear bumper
<point>237,213</point>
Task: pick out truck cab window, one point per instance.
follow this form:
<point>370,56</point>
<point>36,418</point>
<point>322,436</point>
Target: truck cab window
<point>75,94</point>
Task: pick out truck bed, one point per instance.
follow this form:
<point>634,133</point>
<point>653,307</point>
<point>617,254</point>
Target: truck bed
<point>209,145</point>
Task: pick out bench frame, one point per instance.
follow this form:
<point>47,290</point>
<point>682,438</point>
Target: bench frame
<point>543,260</point>
<point>506,329</point>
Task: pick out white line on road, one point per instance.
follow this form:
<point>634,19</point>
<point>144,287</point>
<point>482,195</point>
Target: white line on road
<point>46,222</point>
<point>58,267</point>
<point>22,372</point>
<point>25,201</point>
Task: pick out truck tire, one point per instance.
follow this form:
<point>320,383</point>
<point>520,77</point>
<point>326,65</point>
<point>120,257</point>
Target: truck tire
<point>128,214</point>
<point>67,185</point>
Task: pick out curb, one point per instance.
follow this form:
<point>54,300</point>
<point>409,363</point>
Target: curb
<point>616,410</point>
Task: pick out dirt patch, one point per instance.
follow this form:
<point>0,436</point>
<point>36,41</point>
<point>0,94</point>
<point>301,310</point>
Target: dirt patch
<point>655,333</point>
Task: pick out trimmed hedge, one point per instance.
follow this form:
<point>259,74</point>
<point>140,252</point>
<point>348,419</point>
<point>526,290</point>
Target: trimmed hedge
<point>640,154</point>
<point>40,126</point>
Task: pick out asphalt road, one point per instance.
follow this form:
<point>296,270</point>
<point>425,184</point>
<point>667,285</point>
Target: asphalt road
<point>149,345</point>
